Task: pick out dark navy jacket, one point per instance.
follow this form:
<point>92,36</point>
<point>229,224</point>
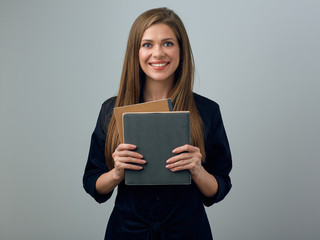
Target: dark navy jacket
<point>162,212</point>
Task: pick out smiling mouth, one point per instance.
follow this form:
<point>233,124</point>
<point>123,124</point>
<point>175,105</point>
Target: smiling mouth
<point>159,64</point>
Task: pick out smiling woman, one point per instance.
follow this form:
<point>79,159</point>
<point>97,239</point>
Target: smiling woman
<point>158,64</point>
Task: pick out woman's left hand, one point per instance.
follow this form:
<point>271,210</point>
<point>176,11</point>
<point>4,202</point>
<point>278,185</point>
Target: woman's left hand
<point>188,159</point>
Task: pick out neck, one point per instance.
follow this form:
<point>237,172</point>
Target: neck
<point>156,91</point>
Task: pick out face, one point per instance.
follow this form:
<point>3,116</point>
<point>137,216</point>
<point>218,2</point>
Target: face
<point>159,53</point>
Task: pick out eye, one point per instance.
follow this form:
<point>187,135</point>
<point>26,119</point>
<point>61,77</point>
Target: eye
<point>146,45</point>
<point>168,44</point>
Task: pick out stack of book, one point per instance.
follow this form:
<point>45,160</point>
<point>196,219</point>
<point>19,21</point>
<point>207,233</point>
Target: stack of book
<point>156,130</point>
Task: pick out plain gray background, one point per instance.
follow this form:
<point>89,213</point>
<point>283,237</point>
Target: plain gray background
<point>59,60</point>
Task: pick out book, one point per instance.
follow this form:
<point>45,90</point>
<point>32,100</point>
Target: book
<point>156,134</point>
<point>153,106</point>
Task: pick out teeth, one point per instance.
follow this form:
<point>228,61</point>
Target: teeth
<point>158,64</point>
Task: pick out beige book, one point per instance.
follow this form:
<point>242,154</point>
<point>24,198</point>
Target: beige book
<point>153,106</point>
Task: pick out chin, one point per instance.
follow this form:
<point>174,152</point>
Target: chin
<point>160,78</point>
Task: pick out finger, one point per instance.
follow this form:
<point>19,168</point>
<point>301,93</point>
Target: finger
<point>185,148</point>
<point>126,153</point>
<point>189,166</point>
<point>181,168</point>
<point>129,160</point>
<point>179,157</point>
<point>129,166</point>
<point>126,146</point>
<point>179,163</point>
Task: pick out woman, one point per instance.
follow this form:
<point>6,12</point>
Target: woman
<point>158,65</point>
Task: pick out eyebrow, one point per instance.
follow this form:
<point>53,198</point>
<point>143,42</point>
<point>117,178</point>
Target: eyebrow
<point>163,40</point>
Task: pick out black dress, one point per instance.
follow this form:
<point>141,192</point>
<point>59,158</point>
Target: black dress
<point>162,212</point>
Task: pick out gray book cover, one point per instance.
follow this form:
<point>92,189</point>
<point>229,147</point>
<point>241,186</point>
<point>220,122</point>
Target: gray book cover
<point>156,134</point>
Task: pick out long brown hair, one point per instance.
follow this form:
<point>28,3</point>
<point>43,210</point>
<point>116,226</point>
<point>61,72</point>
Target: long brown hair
<point>132,77</point>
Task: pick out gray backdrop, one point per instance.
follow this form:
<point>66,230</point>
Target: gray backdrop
<point>59,60</point>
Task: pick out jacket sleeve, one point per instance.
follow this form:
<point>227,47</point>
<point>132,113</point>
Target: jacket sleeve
<point>96,164</point>
<point>218,156</point>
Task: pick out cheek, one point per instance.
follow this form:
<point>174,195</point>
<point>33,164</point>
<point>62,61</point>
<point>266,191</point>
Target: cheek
<point>176,56</point>
<point>142,57</point>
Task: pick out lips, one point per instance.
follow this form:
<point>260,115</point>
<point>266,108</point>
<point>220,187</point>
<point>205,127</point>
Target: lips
<point>158,65</point>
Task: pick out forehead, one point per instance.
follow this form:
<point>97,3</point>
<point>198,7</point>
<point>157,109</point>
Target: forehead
<point>158,31</point>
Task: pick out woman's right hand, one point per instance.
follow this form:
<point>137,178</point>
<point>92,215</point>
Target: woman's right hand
<point>123,158</point>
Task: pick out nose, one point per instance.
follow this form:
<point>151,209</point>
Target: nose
<point>158,52</point>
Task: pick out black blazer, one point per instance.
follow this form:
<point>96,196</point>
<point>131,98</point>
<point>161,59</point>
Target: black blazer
<point>162,212</point>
